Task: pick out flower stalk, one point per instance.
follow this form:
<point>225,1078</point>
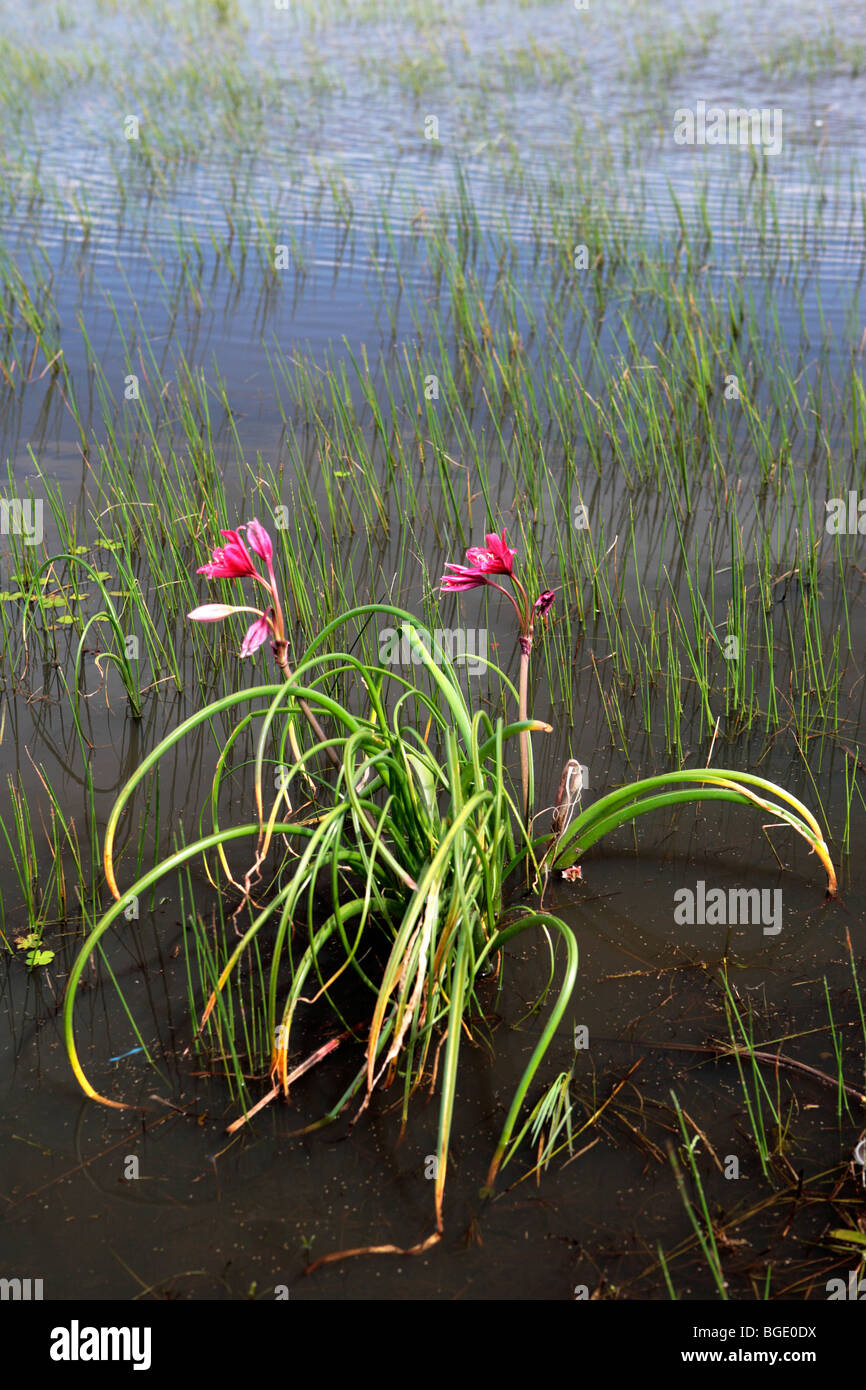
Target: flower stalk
<point>234,561</point>
<point>498,558</point>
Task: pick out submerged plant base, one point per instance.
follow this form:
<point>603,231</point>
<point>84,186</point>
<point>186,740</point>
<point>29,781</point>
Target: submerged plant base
<point>409,837</point>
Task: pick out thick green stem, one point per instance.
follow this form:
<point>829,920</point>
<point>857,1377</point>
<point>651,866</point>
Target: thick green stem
<point>524,737</point>
<point>280,650</point>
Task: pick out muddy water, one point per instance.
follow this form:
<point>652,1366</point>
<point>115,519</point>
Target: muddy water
<point>210,1217</point>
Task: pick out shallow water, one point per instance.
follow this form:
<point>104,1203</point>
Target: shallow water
<point>210,1217</point>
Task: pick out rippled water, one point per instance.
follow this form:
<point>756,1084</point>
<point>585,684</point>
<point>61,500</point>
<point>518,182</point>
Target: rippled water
<point>325,102</point>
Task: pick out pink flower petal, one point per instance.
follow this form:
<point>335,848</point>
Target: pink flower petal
<point>230,561</point>
<point>498,558</point>
<point>461,578</point>
<point>213,612</point>
<point>500,549</point>
<point>260,541</point>
<point>257,633</point>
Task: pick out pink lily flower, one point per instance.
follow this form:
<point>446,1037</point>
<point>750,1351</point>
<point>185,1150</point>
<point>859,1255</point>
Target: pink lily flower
<point>498,558</point>
<point>234,561</point>
<point>260,541</point>
<point>231,561</point>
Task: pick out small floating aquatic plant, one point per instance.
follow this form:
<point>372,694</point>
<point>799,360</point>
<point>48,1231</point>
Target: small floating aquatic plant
<point>412,837</point>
